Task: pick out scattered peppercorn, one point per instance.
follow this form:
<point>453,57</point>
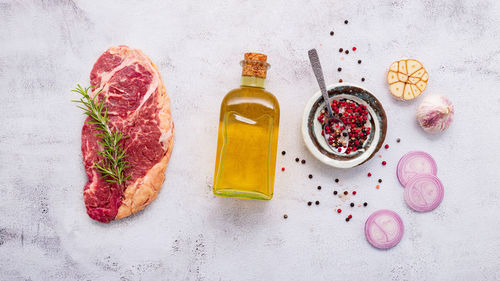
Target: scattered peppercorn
<point>336,180</point>
<point>379,180</point>
<point>354,48</point>
<point>285,216</point>
<point>283,169</point>
<point>352,204</point>
<point>309,203</point>
<point>378,186</point>
<point>369,174</point>
<point>398,140</point>
<point>331,33</point>
<point>319,187</point>
<point>335,192</point>
<point>384,163</point>
<point>339,69</point>
<point>363,79</point>
<point>317,202</point>
<point>347,219</point>
<point>359,61</point>
<point>339,211</point>
<point>283,152</point>
<point>297,159</point>
<point>354,192</point>
<point>346,21</point>
<point>340,80</point>
<point>310,176</point>
<point>365,204</point>
<point>386,146</point>
<point>345,192</point>
<point>346,52</point>
<point>303,161</point>
<point>341,50</point>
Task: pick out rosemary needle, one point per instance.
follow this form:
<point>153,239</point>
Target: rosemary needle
<point>113,161</point>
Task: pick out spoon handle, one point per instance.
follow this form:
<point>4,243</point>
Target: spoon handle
<point>318,72</point>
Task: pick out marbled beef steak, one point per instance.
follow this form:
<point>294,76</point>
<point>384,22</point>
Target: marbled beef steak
<point>138,106</point>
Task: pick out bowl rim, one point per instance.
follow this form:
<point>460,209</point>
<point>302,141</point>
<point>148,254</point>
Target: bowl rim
<point>320,156</point>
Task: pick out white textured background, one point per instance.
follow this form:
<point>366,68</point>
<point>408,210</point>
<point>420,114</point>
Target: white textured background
<point>46,47</point>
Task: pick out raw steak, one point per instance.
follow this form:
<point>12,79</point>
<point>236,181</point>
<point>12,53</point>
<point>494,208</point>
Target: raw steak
<point>138,106</point>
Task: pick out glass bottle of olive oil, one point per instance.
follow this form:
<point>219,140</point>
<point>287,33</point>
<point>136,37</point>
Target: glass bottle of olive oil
<point>248,136</point>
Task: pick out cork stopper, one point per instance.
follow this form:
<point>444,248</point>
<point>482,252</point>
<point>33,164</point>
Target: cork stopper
<point>254,64</point>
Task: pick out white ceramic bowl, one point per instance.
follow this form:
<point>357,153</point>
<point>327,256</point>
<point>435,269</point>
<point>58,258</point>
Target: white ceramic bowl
<point>316,143</point>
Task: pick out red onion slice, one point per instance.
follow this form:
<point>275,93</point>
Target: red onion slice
<point>424,193</point>
<point>384,229</point>
<point>414,163</point>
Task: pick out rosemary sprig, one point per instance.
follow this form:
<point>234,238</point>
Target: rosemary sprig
<point>113,164</point>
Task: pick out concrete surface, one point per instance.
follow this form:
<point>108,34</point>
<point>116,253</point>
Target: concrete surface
<point>188,234</point>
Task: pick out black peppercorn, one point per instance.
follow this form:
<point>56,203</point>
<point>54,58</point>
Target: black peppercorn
<point>297,159</point>
<point>398,140</point>
<point>379,180</point>
<point>310,176</point>
<point>331,33</point>
<point>319,187</point>
<point>346,52</point>
<point>309,203</point>
<point>345,192</point>
<point>352,204</point>
<point>336,180</point>
<point>365,204</point>
<point>283,152</point>
<point>303,161</point>
<point>359,61</point>
<point>341,50</point>
<point>340,80</point>
<point>347,219</point>
<point>317,202</point>
<point>339,69</point>
<point>285,216</point>
<point>363,79</point>
<point>346,21</point>
<point>335,192</point>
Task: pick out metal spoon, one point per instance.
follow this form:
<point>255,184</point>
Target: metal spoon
<point>318,72</point>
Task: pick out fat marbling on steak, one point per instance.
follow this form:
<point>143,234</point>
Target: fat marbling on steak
<point>139,107</point>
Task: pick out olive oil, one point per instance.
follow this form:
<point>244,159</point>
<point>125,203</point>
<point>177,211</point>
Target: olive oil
<point>248,136</point>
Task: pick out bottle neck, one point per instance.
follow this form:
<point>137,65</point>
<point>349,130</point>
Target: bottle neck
<point>253,81</point>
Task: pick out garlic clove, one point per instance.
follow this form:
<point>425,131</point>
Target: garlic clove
<point>394,66</point>
<point>392,77</point>
<point>416,91</point>
<point>413,65</point>
<point>402,67</point>
<point>413,80</point>
<point>421,85</point>
<point>419,73</point>
<point>397,89</point>
<point>402,77</point>
<point>425,77</point>
<point>407,93</point>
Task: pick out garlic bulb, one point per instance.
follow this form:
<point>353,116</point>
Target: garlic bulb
<point>435,113</point>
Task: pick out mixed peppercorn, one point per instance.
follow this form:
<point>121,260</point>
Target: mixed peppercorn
<point>349,127</point>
